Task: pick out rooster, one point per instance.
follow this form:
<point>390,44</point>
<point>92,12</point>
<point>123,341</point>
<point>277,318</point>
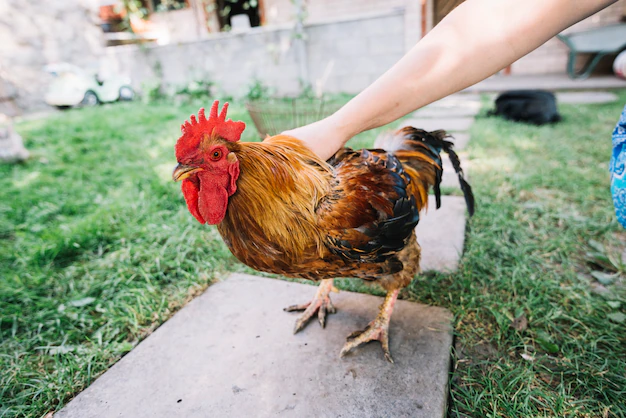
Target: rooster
<point>281,209</point>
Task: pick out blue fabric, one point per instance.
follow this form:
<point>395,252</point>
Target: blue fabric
<point>618,161</point>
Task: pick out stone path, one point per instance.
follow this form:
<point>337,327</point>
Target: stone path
<point>460,139</point>
<point>450,124</point>
<point>231,353</point>
<point>551,82</point>
<point>587,97</point>
<point>441,234</point>
<point>447,112</point>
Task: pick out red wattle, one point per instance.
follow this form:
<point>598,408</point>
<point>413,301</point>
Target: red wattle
<point>212,202</point>
<point>190,192</point>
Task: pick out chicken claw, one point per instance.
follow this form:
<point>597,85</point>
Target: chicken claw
<point>378,329</point>
<point>321,304</point>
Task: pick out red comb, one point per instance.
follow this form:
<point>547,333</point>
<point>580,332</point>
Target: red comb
<point>195,129</point>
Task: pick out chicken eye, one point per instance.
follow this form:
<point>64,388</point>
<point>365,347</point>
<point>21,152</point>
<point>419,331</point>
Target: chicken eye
<point>216,155</point>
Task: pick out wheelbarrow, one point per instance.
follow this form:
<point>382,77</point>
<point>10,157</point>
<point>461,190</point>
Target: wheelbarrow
<point>598,42</point>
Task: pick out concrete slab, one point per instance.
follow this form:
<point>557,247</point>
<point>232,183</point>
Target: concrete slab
<point>458,101</point>
<point>498,83</point>
<point>460,139</point>
<point>231,353</point>
<point>441,234</point>
<point>446,111</point>
<point>450,178</point>
<point>449,124</point>
<point>586,97</point>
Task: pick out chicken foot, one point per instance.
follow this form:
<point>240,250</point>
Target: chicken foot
<point>321,304</point>
<point>378,329</point>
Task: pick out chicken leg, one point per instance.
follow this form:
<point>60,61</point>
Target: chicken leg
<point>321,304</point>
<point>378,329</point>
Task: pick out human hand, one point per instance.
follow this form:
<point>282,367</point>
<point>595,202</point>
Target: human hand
<point>324,137</point>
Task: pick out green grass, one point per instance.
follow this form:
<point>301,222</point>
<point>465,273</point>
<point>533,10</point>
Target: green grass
<point>97,249</point>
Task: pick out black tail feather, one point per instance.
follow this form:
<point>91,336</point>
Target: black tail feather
<point>465,187</point>
<point>436,142</point>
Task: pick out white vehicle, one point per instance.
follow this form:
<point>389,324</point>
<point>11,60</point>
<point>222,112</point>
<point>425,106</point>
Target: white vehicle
<point>73,86</point>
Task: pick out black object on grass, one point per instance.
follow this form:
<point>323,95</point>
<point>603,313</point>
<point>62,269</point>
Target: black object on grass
<point>537,107</point>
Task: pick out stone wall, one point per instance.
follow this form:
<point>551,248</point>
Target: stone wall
<point>229,60</point>
<point>282,11</point>
<point>39,32</point>
<point>341,56</point>
<point>347,56</point>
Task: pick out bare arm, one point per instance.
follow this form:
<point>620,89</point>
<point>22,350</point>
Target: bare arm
<point>477,39</point>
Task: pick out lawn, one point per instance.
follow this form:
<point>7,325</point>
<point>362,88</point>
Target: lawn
<point>97,249</point>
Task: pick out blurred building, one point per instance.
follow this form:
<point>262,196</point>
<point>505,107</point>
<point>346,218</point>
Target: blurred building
<point>36,33</point>
<point>333,45</point>
<point>343,46</point>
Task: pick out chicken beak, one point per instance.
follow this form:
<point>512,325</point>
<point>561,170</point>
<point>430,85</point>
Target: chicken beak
<point>181,172</point>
